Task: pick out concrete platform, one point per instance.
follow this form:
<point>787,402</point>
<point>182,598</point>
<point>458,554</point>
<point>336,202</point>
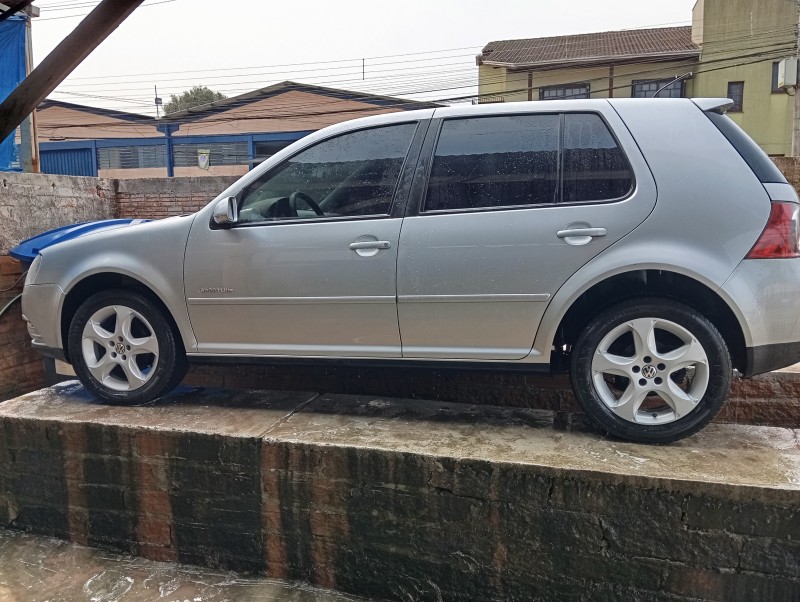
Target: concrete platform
<point>771,399</point>
<point>407,499</point>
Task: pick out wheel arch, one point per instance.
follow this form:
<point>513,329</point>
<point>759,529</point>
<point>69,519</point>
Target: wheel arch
<point>100,281</point>
<point>655,283</point>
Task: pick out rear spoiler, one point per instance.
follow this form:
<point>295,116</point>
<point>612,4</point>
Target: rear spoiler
<point>713,105</point>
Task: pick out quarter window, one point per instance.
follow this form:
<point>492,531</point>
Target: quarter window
<point>595,169</point>
<point>354,174</point>
<point>495,162</point>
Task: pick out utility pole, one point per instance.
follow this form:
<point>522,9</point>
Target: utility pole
<point>87,36</point>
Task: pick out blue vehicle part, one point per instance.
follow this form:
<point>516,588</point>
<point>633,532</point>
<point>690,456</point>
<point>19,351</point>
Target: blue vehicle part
<point>27,250</point>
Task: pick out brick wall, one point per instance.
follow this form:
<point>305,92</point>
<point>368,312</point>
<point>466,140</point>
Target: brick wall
<point>155,198</point>
<point>21,368</point>
<point>790,166</point>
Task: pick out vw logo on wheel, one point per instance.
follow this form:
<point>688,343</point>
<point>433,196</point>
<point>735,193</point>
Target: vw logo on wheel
<point>649,371</point>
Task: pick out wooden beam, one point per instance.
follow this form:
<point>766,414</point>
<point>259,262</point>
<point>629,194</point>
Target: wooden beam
<point>57,65</point>
<point>31,11</point>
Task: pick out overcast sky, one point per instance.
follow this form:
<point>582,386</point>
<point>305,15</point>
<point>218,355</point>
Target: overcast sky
<point>417,48</point>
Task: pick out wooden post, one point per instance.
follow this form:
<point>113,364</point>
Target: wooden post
<point>28,134</point>
<point>87,36</point>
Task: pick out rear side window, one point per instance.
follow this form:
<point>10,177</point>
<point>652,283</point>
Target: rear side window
<point>595,169</point>
<point>495,162</point>
<point>520,160</point>
<point>757,159</point>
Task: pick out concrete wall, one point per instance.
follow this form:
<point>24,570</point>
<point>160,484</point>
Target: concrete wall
<point>33,203</point>
<point>407,500</point>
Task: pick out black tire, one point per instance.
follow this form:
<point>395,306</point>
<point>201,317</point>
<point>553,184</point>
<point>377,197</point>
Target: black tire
<point>160,372</point>
<point>718,372</point>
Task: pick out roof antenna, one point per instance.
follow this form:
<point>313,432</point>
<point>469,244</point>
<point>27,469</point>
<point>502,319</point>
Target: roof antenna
<point>669,83</point>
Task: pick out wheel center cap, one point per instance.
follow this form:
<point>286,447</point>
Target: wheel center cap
<point>649,371</point>
<point>120,348</point>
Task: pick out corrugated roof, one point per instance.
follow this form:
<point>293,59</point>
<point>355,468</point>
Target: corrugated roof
<point>612,45</point>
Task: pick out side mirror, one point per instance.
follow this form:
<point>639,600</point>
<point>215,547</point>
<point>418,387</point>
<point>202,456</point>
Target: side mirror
<point>226,212</point>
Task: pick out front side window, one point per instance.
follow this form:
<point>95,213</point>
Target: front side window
<point>495,162</point>
<point>351,175</point>
<point>646,89</point>
<point>736,94</point>
<point>580,90</point>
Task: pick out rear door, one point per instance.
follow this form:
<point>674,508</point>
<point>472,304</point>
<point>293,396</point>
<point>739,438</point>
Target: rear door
<point>512,206</point>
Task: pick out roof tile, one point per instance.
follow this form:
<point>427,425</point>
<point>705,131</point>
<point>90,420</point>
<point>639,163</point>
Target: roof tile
<point>607,44</point>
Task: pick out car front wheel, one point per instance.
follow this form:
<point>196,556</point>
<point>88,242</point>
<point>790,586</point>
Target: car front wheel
<point>123,349</point>
<point>650,370</point>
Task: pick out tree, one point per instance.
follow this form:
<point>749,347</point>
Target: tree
<point>198,95</point>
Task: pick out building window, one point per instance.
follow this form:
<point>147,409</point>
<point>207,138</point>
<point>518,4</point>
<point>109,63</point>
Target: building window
<point>775,88</point>
<point>264,150</point>
<point>565,91</point>
<point>131,157</point>
<point>736,94</point>
<point>646,88</point>
<point>222,153</point>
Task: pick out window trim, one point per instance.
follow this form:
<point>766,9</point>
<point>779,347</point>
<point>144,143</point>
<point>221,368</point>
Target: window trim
<point>392,207</point>
<point>431,154</point>
<point>734,108</point>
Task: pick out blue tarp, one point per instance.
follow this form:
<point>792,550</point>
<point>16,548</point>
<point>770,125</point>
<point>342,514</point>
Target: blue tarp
<point>12,71</point>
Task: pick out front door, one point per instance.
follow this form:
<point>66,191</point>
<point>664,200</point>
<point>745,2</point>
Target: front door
<point>514,205</point>
<point>310,267</point>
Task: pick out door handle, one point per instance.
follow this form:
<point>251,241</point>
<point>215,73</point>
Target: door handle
<point>370,244</point>
<point>591,232</point>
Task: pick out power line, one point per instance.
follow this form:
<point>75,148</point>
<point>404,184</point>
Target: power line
<point>39,19</point>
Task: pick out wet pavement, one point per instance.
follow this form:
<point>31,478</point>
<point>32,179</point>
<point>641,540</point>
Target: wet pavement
<point>43,569</point>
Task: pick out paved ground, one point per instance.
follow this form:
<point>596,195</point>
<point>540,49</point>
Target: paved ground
<point>42,569</point>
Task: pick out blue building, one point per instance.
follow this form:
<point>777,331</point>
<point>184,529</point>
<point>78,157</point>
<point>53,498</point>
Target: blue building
<point>234,133</point>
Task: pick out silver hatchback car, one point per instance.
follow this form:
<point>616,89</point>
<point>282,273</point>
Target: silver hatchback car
<point>649,247</point>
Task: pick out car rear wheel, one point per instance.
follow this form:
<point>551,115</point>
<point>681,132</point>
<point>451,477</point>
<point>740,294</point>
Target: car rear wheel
<point>650,370</point>
<point>123,349</point>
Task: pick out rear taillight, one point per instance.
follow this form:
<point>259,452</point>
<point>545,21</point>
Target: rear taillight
<point>779,238</point>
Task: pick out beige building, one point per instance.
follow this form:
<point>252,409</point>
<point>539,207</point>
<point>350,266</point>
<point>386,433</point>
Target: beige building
<point>732,49</point>
<point>595,65</point>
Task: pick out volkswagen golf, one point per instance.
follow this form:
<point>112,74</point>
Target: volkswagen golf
<point>646,246</point>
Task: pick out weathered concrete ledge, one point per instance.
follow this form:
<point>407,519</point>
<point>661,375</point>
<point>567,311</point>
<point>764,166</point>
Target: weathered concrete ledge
<point>768,400</point>
<point>408,500</point>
